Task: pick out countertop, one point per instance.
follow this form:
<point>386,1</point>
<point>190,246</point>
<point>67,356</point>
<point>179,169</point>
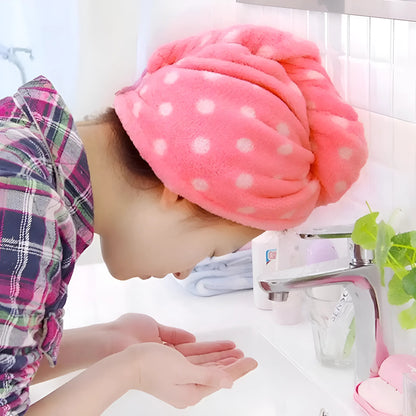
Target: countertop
<point>94,296</point>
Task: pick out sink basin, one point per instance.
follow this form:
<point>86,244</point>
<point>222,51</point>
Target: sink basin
<point>289,381</point>
<point>276,387</point>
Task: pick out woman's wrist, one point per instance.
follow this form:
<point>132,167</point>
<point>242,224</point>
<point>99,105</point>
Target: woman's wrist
<point>92,391</point>
<point>130,370</point>
<point>115,339</point>
<point>79,349</point>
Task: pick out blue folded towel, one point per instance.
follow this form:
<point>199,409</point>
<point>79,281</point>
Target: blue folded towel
<point>217,275</point>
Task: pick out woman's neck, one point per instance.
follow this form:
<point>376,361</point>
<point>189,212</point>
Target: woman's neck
<point>96,139</point>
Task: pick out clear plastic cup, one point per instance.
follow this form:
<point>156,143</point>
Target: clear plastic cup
<point>331,313</point>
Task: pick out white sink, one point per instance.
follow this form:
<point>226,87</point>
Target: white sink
<point>288,381</point>
<point>276,387</point>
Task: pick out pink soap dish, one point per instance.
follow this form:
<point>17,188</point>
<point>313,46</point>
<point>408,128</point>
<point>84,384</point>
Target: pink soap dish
<point>367,406</point>
<point>391,371</point>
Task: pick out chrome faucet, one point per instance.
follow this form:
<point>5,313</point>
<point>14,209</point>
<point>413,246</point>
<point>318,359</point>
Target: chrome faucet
<point>361,277</point>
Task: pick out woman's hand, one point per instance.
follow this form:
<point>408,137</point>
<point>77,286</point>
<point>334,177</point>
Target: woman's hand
<point>82,347</point>
<point>167,374</point>
<point>135,328</point>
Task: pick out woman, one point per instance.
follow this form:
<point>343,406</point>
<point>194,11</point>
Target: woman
<point>225,135</point>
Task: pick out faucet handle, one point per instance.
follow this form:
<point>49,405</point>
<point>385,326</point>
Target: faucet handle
<point>359,255</point>
<point>335,231</point>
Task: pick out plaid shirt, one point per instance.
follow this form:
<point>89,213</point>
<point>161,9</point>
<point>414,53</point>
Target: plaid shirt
<point>46,217</point>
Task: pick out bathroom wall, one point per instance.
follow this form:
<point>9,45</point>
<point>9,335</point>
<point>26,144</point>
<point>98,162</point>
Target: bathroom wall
<point>52,37</point>
<point>86,48</point>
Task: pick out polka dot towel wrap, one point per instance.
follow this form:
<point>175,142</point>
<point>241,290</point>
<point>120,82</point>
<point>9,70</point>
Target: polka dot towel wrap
<point>246,123</point>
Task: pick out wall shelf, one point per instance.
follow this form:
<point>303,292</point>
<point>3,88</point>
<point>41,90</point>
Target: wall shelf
<point>392,9</point>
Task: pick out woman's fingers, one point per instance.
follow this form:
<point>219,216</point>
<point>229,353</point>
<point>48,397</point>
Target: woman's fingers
<point>215,356</point>
<point>208,382</point>
<point>221,363</point>
<point>211,377</point>
<point>241,367</point>
<point>174,336</point>
<point>199,348</point>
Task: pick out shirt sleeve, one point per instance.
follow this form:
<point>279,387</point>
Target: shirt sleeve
<point>30,285</point>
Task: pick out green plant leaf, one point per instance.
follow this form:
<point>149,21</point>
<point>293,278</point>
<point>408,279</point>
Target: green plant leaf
<point>409,283</point>
<point>407,318</point>
<point>365,231</point>
<point>396,294</point>
<point>384,234</point>
<point>403,248</point>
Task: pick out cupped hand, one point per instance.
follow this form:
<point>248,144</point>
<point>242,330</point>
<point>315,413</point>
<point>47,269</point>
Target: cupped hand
<point>169,375</point>
<point>134,328</point>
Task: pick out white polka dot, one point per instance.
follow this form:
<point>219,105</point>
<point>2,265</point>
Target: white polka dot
<point>136,108</point>
<point>340,186</point>
<point>345,153</point>
<point>285,149</point>
<point>310,105</point>
<point>200,184</point>
<point>288,215</point>
<point>340,121</point>
<point>201,145</point>
<point>205,106</point>
<point>314,75</point>
<point>232,35</point>
<point>246,210</point>
<point>171,77</point>
<point>248,111</point>
<point>165,109</point>
<point>160,146</point>
<point>245,145</point>
<point>143,90</point>
<point>266,51</point>
<point>283,129</point>
<point>211,76</point>
<point>245,181</point>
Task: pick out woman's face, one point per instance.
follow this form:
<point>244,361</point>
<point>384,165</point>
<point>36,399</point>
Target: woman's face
<point>158,233</point>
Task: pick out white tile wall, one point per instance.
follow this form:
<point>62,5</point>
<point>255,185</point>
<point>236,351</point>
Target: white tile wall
<point>372,63</point>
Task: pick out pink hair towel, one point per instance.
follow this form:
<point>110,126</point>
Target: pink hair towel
<point>245,123</point>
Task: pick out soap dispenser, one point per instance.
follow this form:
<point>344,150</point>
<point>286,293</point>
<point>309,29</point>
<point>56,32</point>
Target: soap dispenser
<point>264,252</point>
<point>290,253</point>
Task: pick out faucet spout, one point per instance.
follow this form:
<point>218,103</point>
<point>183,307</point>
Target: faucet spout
<point>363,284</point>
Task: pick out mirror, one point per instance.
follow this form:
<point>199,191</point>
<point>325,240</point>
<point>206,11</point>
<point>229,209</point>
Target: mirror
<point>392,9</point>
